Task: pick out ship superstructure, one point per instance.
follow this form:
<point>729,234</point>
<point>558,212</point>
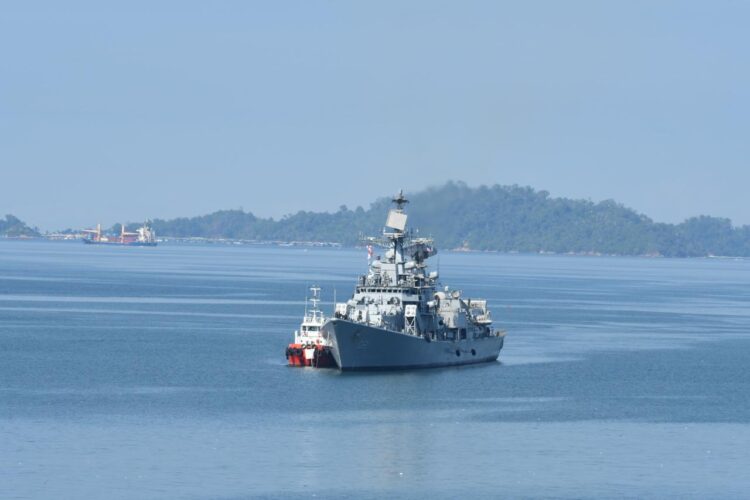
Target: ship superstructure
<point>400,317</point>
<point>144,236</point>
<point>310,348</point>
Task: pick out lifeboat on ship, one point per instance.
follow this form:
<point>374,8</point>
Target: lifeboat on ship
<point>310,347</point>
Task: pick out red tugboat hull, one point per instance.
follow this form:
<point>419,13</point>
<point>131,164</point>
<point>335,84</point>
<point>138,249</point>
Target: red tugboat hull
<point>316,356</point>
<point>295,354</point>
<point>323,358</point>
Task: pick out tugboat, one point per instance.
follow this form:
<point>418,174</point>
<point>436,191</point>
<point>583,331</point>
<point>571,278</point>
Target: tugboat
<point>400,317</point>
<point>144,236</point>
<point>309,347</point>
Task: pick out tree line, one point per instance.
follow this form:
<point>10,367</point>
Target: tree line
<point>13,227</point>
<point>493,218</point>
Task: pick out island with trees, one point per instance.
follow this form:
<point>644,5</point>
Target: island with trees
<point>486,218</point>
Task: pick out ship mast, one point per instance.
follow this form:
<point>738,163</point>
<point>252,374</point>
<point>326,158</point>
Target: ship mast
<point>315,313</point>
<point>397,222</point>
<point>400,200</point>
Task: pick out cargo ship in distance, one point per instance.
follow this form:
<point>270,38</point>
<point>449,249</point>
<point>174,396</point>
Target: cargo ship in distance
<point>399,317</point>
<point>144,236</point>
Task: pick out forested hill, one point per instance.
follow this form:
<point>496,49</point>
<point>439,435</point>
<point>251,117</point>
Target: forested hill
<point>501,218</point>
<point>13,227</point>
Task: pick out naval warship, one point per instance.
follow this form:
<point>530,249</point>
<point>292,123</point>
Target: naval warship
<point>400,317</point>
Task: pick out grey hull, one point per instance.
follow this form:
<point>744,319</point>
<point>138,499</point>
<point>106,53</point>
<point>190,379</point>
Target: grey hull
<point>362,347</point>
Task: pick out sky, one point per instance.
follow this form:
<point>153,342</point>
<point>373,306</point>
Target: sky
<point>121,111</point>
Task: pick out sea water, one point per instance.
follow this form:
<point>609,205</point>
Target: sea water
<point>160,373</point>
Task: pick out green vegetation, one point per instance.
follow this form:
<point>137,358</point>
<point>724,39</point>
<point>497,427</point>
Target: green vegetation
<point>500,218</point>
<point>13,227</point>
<point>496,218</point>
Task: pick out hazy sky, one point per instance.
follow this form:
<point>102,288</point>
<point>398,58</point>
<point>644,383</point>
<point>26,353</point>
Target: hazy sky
<point>122,111</point>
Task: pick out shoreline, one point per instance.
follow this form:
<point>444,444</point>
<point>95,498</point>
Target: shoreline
<point>331,244</point>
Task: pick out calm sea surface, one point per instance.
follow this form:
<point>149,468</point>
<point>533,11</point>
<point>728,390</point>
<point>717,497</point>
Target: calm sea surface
<point>160,373</point>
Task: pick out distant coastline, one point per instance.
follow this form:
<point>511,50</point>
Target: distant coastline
<point>332,244</point>
<point>507,219</point>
